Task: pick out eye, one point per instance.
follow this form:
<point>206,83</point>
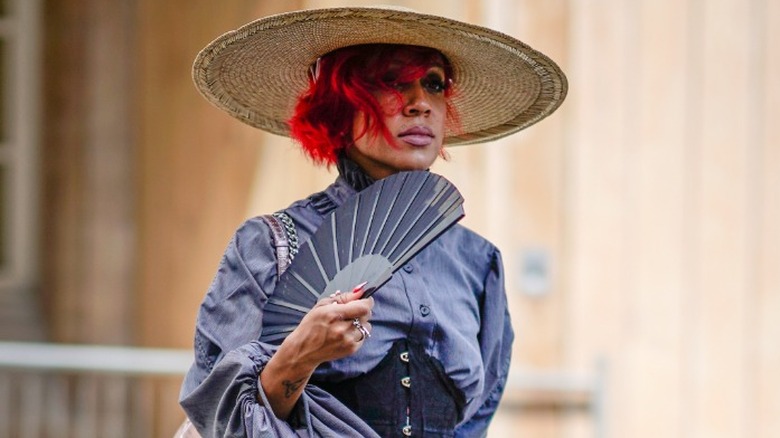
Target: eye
<point>390,79</point>
<point>434,84</point>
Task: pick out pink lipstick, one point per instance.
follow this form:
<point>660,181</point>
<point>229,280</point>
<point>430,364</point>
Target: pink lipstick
<point>417,136</point>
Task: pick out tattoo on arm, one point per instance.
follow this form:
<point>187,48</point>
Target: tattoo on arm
<point>291,387</point>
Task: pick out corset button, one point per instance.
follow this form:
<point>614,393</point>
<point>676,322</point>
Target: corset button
<point>405,357</point>
<point>407,430</point>
<point>406,382</point>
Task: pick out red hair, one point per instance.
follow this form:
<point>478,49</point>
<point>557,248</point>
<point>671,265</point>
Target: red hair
<point>346,83</point>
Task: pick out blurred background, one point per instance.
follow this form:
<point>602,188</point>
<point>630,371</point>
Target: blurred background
<point>640,223</point>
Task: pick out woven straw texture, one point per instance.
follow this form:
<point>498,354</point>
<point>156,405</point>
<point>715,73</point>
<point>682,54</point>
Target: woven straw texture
<point>257,72</point>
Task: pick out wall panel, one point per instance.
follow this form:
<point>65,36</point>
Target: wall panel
<point>597,182</point>
<point>656,168</point>
<point>196,164</point>
<point>765,348</point>
<point>88,222</point>
<point>718,361</point>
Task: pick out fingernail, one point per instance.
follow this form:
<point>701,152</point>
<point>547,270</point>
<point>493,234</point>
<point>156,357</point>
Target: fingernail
<point>359,287</point>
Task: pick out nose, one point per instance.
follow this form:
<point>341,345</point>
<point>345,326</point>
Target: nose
<point>416,101</point>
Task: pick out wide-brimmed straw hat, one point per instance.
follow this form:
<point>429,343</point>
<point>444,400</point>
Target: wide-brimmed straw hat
<point>257,72</point>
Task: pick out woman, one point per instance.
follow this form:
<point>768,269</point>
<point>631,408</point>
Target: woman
<point>374,91</point>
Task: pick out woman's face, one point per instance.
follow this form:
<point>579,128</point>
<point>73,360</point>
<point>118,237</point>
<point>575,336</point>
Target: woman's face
<point>416,124</point>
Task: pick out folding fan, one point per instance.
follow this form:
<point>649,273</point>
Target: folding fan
<point>366,239</point>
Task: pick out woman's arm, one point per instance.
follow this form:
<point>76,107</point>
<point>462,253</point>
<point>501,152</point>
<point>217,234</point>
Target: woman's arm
<point>326,333</point>
<point>495,341</point>
<point>221,393</point>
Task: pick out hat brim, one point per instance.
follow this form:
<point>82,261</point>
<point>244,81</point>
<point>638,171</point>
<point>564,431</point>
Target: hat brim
<point>257,72</point>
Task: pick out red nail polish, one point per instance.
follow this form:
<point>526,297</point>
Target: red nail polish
<point>359,287</point>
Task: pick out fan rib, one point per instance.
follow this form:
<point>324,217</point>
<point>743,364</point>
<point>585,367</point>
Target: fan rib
<point>433,232</point>
<point>335,242</point>
<point>401,218</point>
<point>387,212</point>
<point>287,304</point>
<point>447,208</point>
<point>273,338</point>
<point>305,284</point>
<point>282,329</point>
<point>316,256</point>
<point>408,230</point>
<point>352,233</point>
<point>370,220</point>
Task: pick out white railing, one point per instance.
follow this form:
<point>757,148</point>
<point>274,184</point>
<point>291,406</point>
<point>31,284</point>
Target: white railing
<point>50,390</point>
<point>93,358</point>
<point>562,392</point>
<point>79,391</point>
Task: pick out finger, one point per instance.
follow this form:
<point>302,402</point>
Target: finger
<point>326,301</point>
<point>363,330</point>
<point>355,309</point>
<point>340,297</point>
<point>355,294</point>
<point>337,297</point>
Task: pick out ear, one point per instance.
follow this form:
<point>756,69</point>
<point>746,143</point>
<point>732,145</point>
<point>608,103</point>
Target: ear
<point>444,154</point>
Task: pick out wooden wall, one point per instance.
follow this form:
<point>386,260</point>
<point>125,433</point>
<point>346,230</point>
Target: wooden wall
<point>654,193</point>
<point>672,214</point>
<point>196,164</point>
<point>88,233</point>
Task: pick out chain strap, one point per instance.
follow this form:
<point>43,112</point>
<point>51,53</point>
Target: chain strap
<point>289,228</point>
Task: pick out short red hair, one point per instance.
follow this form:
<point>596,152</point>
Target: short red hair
<point>346,81</point>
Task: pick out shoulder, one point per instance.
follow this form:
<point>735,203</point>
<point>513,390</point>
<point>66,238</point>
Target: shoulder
<point>252,234</point>
<point>308,213</point>
<point>464,241</point>
<point>465,249</point>
<point>249,255</point>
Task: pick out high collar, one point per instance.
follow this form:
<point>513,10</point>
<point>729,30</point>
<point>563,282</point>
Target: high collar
<point>352,173</point>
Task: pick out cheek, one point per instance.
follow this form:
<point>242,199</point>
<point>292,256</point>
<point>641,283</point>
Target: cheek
<point>359,125</point>
<point>390,104</point>
<point>441,117</point>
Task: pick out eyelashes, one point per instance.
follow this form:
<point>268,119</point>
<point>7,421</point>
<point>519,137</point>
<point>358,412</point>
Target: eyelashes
<point>434,83</point>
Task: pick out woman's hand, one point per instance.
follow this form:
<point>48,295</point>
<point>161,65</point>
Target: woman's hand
<point>328,332</point>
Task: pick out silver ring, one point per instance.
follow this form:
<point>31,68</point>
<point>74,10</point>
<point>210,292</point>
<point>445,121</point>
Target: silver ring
<point>363,332</point>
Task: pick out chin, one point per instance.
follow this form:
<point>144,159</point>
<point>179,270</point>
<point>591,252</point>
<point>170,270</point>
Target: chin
<point>417,166</point>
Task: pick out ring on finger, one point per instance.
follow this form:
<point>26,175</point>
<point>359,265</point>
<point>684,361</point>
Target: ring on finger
<point>338,297</point>
<point>363,332</point>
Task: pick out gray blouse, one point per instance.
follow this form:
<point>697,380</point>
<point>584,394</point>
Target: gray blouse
<point>450,298</point>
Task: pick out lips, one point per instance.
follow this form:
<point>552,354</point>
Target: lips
<point>417,136</point>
